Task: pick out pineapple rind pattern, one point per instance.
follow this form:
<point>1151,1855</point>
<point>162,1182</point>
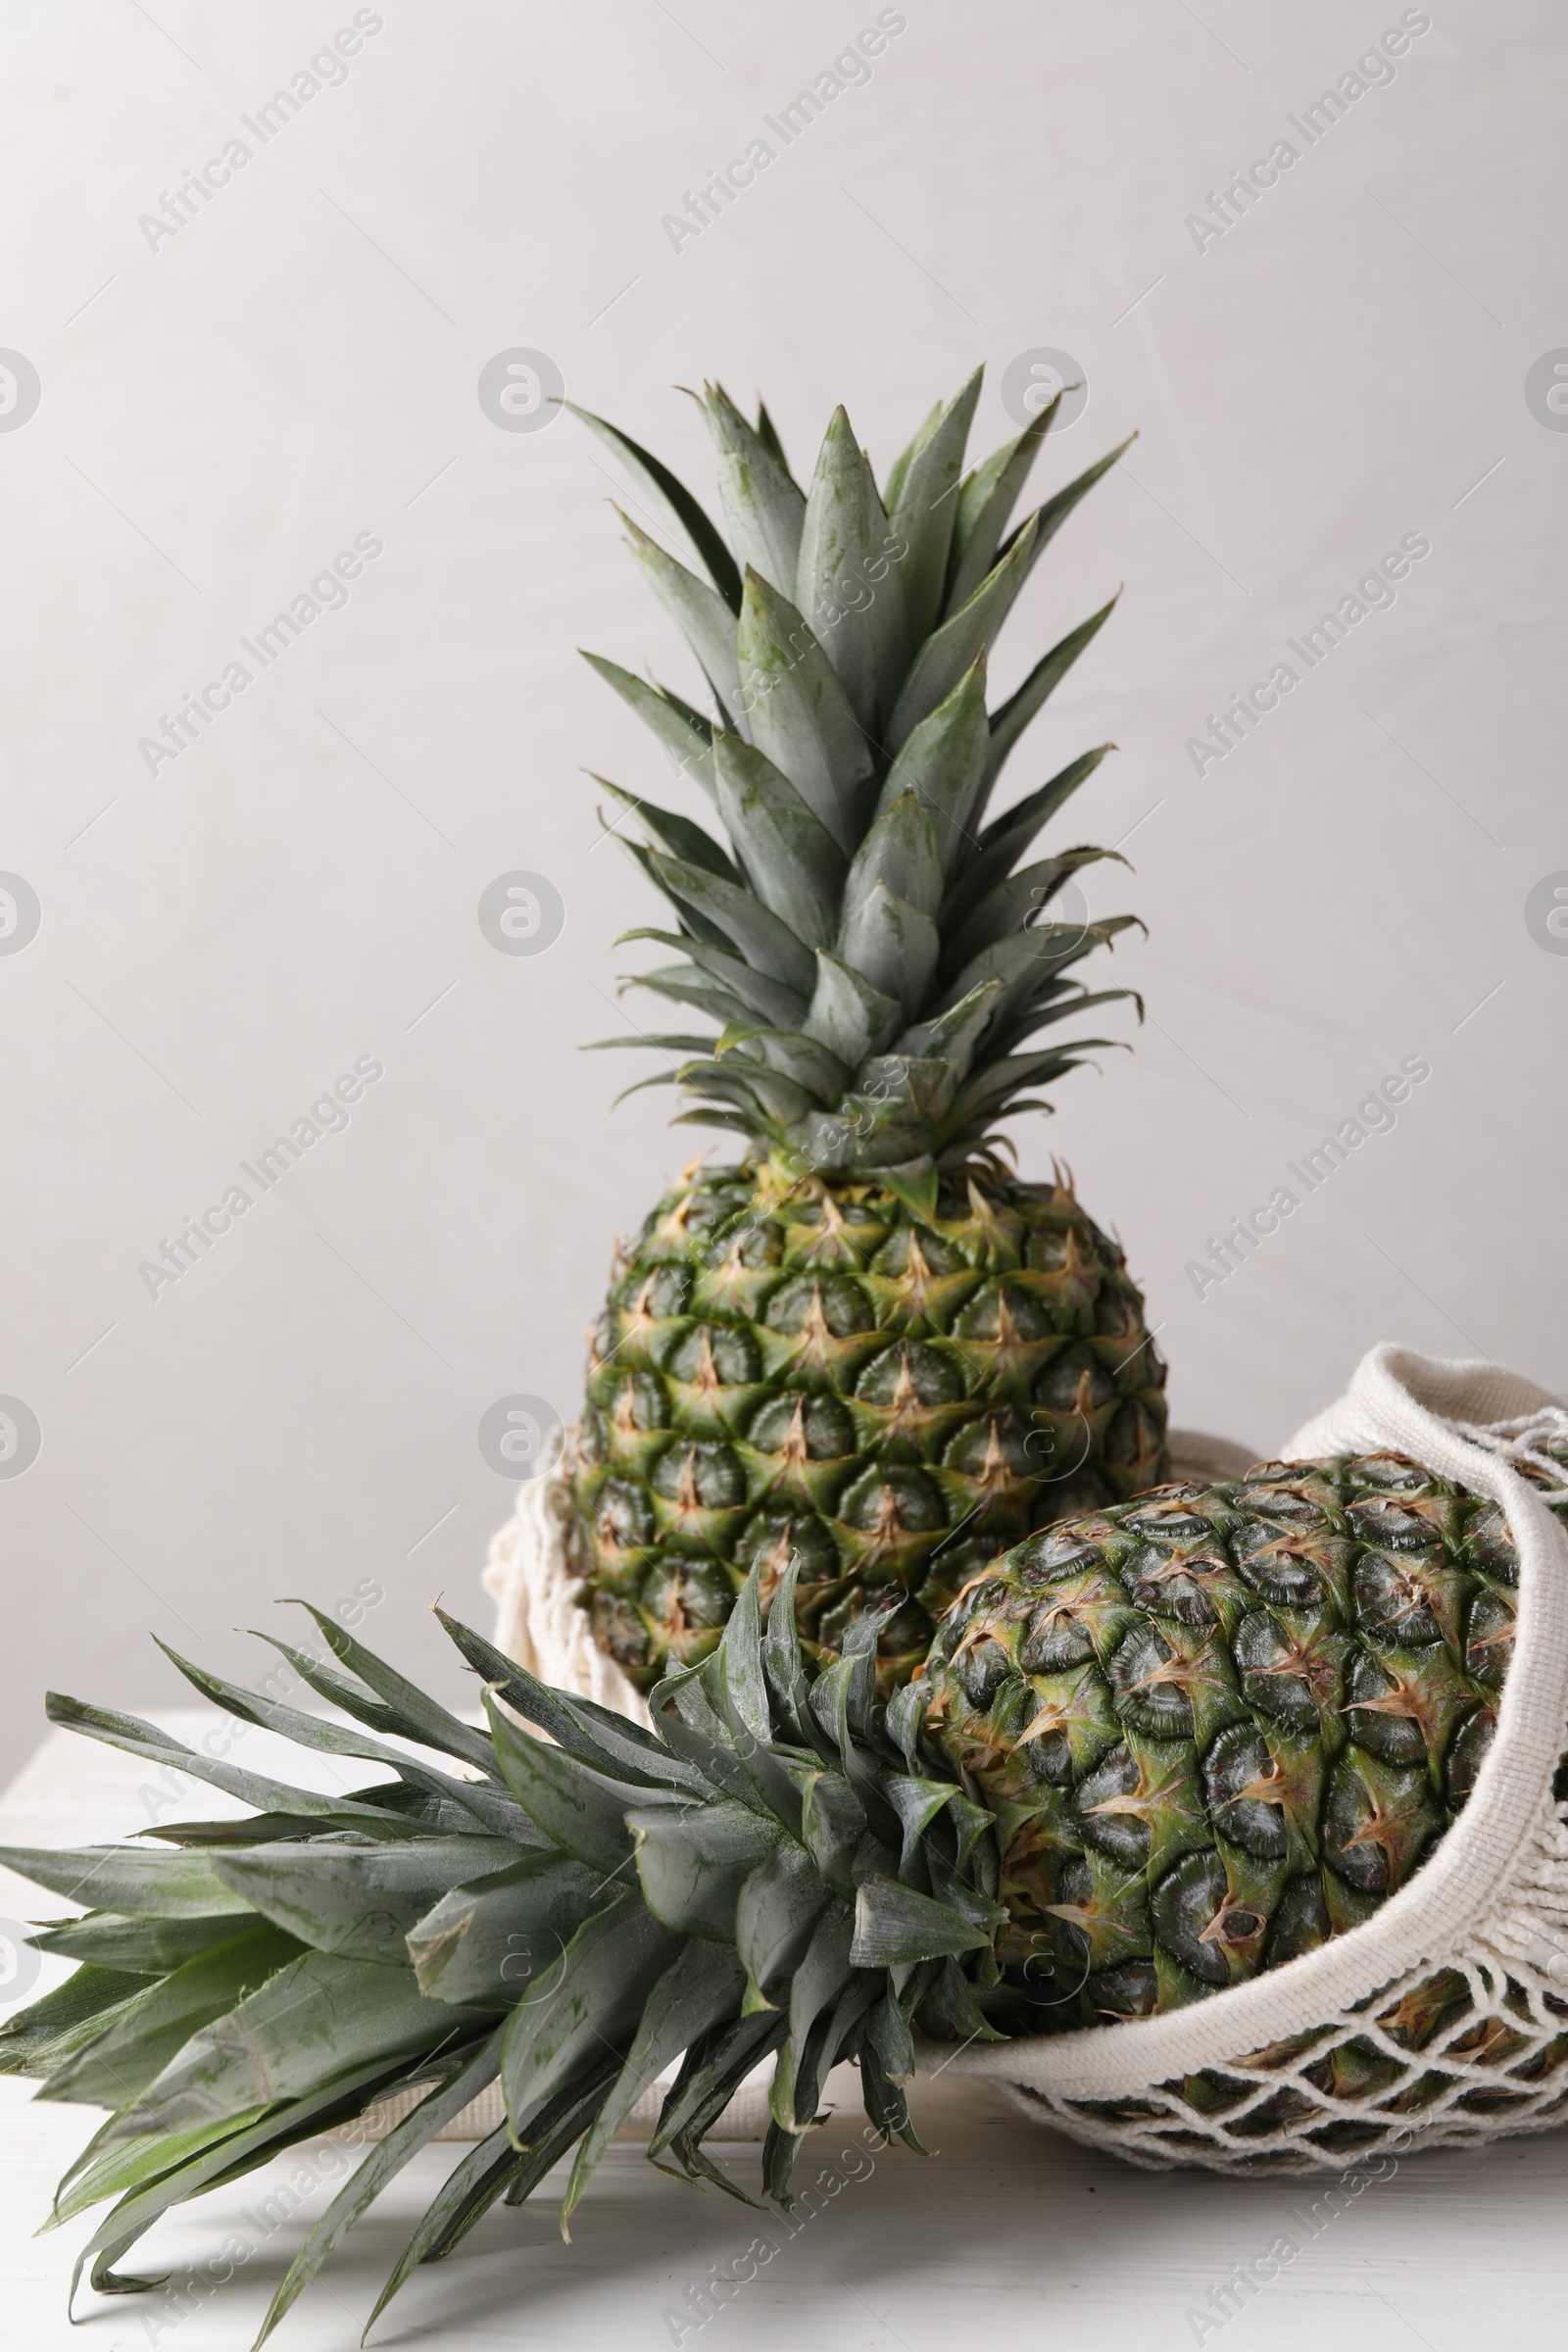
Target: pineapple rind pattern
<point>808,1370</point>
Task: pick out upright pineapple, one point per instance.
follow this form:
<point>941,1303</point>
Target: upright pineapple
<point>1210,1730</point>
<point>866,1347</point>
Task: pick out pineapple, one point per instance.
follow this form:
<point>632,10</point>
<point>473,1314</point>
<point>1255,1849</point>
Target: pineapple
<point>866,1345</point>
<point>1218,1726</point>
<point>1210,1729</point>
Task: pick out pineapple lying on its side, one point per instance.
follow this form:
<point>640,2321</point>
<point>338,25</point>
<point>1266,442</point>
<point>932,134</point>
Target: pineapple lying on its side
<point>1210,1729</point>
<point>1217,1728</point>
<point>866,1345</point>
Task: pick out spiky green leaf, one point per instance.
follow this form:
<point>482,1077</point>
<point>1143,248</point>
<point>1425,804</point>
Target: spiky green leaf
<point>700,612</point>
<point>952,1037</point>
<point>484,1943</point>
<point>784,1007</point>
<point>148,1947</point>
<point>1019,901</point>
<point>764,508</point>
<point>119,2064</point>
<point>1054,513</point>
<point>692,1861</point>
<point>359,1901</point>
<point>850,586</point>
<point>590,2002</point>
<point>765,943</point>
<point>677,832</point>
<point>798,712</point>
<point>445,2099</point>
<point>701,1986</point>
<point>893,945</point>
<point>673,500</point>
<point>894,1924</point>
<point>901,851</point>
<point>686,736</point>
<point>794,863</point>
<point>139,1880</point>
<point>847,1014</point>
<point>987,499</point>
<point>315,2019</point>
<point>489,1804</point>
<point>1003,841</point>
<point>776,1913</point>
<point>155,1747</point>
<point>1016,712</point>
<point>578,1810</point>
<point>816,1986</point>
<point>943,761</point>
<point>925,504</point>
<point>959,642</point>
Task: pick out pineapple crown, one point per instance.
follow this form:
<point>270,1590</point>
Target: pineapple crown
<point>779,1867</point>
<point>874,954</point>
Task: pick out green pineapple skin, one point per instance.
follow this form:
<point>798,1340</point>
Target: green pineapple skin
<point>809,1369</point>
<point>1221,1724</point>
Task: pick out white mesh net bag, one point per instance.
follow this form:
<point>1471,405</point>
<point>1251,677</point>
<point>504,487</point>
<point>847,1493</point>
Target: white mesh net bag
<point>1257,2077</point>
<point>1309,2063</point>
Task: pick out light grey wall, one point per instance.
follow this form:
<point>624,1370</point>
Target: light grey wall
<point>226,408</point>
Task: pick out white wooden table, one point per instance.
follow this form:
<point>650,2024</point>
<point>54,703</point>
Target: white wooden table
<point>1007,2237</point>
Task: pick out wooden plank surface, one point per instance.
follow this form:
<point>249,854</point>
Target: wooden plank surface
<point>1006,2236</point>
